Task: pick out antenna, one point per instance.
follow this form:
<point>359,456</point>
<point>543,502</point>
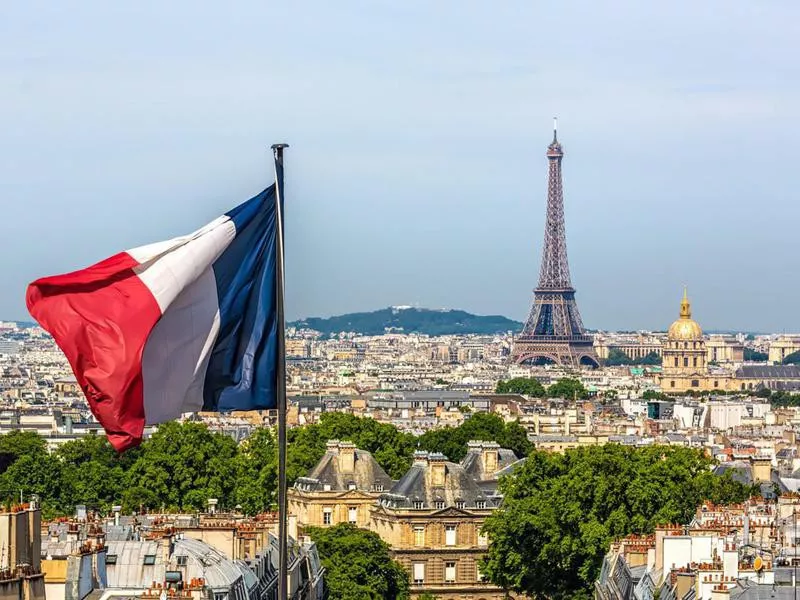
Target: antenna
<point>555,129</point>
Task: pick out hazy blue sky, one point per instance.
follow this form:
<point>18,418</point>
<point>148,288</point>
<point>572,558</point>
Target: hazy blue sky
<point>418,129</point>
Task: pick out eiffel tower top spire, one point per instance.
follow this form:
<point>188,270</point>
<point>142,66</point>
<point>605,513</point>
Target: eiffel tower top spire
<point>554,150</point>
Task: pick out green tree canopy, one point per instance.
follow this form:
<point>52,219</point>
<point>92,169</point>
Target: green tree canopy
<point>618,357</point>
<point>568,388</point>
<point>183,465</point>
<point>19,443</point>
<point>358,565</point>
<point>792,359</point>
<point>561,511</point>
<point>525,386</point>
<point>452,441</point>
<point>755,355</point>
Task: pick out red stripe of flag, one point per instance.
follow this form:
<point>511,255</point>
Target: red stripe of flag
<point>101,318</point>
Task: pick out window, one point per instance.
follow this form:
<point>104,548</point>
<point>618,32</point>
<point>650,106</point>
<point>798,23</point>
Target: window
<point>111,559</point>
<point>439,504</point>
<point>149,559</point>
<point>676,361</point>
<point>695,361</point>
<point>449,535</point>
<point>378,487</point>
<point>459,504</point>
<point>672,383</point>
<point>418,504</point>
<point>419,536</point>
<point>351,486</point>
<point>327,515</point>
<point>480,504</point>
<point>450,572</point>
<point>326,487</point>
<point>695,383</point>
<point>181,561</point>
<point>483,540</point>
<point>352,514</point>
<point>419,573</point>
<point>478,575</point>
<point>716,384</point>
<point>685,361</point>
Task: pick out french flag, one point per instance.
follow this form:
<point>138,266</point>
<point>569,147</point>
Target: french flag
<point>179,326</point>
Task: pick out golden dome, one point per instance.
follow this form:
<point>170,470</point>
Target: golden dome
<point>685,328</point>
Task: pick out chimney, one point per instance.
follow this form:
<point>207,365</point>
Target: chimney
<point>720,592</point>
<point>436,467</point>
<point>474,446</point>
<point>212,506</point>
<point>347,457</point>
<point>762,469</point>
<point>420,457</point>
<point>730,561</point>
<point>332,446</point>
<point>166,547</point>
<point>116,509</point>
<point>490,453</point>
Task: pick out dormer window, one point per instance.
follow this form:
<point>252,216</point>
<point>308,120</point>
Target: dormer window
<point>378,487</point>
<point>480,504</point>
<point>418,505</point>
<point>326,487</point>
<point>460,504</point>
<point>439,504</point>
<point>351,486</point>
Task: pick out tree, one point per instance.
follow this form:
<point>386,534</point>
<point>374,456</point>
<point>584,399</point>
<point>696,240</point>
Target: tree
<point>651,359</point>
<point>525,386</point>
<point>452,441</point>
<point>792,359</point>
<point>654,395</point>
<point>257,472</point>
<point>755,355</point>
<point>40,474</point>
<point>568,388</point>
<point>390,447</point>
<point>561,511</point>
<point>617,357</point>
<point>183,465</point>
<point>16,443</point>
<point>358,565</point>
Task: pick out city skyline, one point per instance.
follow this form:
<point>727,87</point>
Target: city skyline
<point>412,180</point>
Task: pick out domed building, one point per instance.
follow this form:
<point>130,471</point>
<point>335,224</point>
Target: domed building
<point>684,356</point>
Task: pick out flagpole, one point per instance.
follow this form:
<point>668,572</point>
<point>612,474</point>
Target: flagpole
<point>283,554</point>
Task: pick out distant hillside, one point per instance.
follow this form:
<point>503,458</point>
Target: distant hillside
<point>403,319</point>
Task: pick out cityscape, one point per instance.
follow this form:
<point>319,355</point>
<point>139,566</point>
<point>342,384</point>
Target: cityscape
<point>430,453</point>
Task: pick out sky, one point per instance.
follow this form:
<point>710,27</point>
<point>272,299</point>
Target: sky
<point>416,173</point>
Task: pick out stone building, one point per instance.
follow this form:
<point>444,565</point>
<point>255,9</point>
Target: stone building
<point>685,358</point>
<point>21,575</point>
<point>342,488</point>
<point>432,520</point>
<point>486,462</point>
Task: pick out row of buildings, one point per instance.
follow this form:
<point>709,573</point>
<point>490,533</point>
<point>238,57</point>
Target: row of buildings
<point>207,556</point>
<point>740,552</point>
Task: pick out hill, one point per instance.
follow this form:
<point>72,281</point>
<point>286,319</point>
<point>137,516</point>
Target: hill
<point>403,319</point>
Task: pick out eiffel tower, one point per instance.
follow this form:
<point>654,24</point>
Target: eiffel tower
<point>554,331</point>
